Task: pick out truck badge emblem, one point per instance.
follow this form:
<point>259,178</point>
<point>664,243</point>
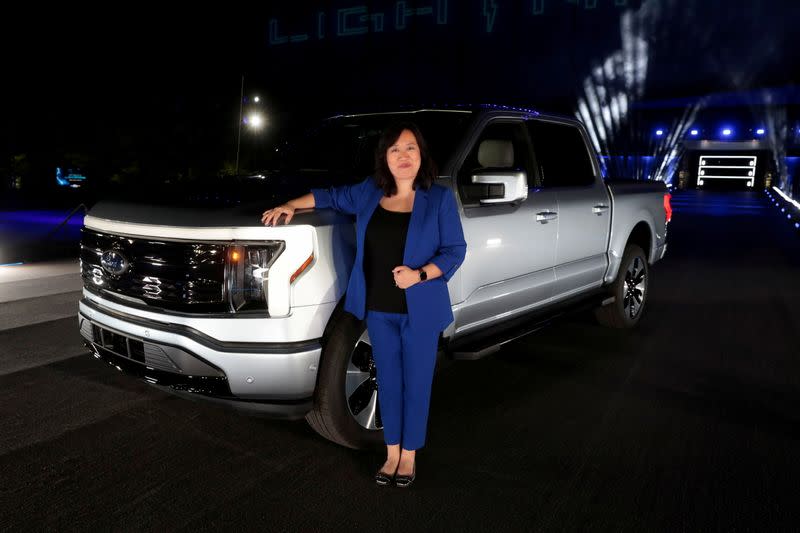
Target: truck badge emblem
<point>114,262</point>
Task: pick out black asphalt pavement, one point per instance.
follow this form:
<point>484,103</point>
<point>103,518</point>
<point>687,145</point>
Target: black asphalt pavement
<point>687,423</point>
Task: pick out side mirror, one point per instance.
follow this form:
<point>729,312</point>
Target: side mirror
<point>503,186</point>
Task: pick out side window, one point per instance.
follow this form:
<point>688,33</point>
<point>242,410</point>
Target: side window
<point>501,146</point>
<point>561,154</point>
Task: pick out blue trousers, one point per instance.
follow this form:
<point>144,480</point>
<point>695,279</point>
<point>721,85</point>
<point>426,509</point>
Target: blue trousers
<point>404,360</point>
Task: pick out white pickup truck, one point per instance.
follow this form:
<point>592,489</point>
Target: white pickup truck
<point>202,300</point>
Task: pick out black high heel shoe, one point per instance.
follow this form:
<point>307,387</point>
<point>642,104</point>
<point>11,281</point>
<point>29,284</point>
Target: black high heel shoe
<point>406,481</point>
<point>382,478</point>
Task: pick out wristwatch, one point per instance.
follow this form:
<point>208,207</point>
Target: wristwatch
<point>422,274</point>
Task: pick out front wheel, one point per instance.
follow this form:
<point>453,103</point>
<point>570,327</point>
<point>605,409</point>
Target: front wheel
<point>630,291</point>
<point>346,409</point>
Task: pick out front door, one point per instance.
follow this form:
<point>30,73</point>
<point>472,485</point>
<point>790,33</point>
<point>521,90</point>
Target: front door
<point>510,254</point>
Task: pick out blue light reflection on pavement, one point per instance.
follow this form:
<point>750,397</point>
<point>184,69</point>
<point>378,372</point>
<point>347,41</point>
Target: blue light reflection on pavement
<point>54,218</point>
<point>35,233</point>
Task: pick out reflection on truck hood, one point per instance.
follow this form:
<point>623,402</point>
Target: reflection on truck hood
<point>219,202</point>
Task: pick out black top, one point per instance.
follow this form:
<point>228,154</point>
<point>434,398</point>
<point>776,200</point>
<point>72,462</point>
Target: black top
<point>384,244</point>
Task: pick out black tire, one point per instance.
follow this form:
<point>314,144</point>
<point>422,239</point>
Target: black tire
<point>630,291</point>
<point>333,413</point>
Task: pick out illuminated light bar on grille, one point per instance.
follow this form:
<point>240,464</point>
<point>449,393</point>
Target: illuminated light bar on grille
<point>737,167</point>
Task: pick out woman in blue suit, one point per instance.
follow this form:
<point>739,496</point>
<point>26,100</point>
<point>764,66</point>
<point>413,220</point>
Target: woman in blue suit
<point>409,244</point>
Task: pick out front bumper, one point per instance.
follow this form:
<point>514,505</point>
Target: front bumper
<point>276,379</point>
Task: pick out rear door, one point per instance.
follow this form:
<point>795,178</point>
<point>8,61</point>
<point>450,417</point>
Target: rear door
<point>510,255</point>
<point>568,169</point>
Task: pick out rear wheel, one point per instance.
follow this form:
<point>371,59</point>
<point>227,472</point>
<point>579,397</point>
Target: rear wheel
<point>629,290</point>
<point>346,409</point>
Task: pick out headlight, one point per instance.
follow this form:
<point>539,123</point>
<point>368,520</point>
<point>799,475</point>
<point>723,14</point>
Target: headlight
<point>247,274</point>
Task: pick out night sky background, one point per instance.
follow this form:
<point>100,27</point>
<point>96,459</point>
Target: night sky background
<point>131,90</point>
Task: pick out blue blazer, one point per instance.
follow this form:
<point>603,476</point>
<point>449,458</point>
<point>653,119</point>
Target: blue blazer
<point>434,236</point>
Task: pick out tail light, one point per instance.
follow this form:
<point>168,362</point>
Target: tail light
<point>668,206</point>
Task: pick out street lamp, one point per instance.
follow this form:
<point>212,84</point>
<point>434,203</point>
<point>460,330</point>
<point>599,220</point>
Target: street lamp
<point>254,120</point>
<point>239,133</point>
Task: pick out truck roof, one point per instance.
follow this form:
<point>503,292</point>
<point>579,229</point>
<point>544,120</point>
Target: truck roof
<point>450,108</point>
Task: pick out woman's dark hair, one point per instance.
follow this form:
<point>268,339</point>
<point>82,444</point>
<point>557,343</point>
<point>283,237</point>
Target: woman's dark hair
<point>427,168</point>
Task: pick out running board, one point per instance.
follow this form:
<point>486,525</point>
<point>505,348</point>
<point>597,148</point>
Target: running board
<point>490,345</point>
<point>482,343</point>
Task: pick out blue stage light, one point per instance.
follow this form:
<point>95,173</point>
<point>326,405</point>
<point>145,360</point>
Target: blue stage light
<point>694,133</point>
<point>727,132</point>
<point>760,131</point>
<point>659,132</point>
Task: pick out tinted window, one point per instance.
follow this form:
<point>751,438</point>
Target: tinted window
<point>336,151</point>
<point>501,146</point>
<point>561,154</point>
<point>346,145</point>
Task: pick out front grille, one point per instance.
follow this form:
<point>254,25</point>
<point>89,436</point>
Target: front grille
<point>118,344</point>
<point>152,363</point>
<point>161,357</point>
<point>172,275</point>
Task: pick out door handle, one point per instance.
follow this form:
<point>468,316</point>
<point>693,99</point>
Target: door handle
<point>599,208</point>
<point>544,216</point>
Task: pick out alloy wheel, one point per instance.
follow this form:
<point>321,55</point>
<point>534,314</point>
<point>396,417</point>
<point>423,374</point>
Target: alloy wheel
<point>361,385</point>
<point>635,287</point>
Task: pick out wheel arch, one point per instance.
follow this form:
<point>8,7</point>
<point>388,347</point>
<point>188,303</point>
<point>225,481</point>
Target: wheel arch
<point>641,234</point>
<point>335,315</point>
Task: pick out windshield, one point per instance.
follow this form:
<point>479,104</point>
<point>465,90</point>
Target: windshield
<point>338,150</point>
<point>346,145</point>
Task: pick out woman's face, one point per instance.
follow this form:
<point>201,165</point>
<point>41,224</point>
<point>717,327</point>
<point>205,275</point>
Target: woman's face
<point>403,157</point>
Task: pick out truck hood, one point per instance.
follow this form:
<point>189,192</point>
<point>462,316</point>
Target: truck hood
<point>239,216</point>
<point>220,202</point>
